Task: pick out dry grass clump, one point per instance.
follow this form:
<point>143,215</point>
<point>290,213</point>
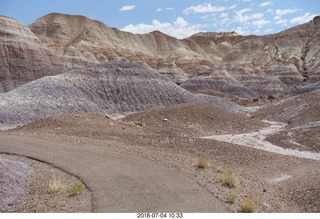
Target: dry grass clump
<point>247,205</point>
<point>231,198</point>
<point>227,178</point>
<point>55,186</point>
<point>54,203</point>
<point>203,162</point>
<point>76,188</point>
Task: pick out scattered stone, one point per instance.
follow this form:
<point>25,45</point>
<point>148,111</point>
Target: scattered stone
<point>138,124</point>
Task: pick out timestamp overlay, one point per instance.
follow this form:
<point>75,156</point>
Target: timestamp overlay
<point>159,215</point>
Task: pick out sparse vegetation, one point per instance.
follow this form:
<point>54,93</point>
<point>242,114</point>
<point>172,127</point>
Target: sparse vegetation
<point>231,198</point>
<point>203,162</point>
<point>227,178</point>
<point>76,188</point>
<point>54,203</point>
<point>247,205</point>
<point>55,186</point>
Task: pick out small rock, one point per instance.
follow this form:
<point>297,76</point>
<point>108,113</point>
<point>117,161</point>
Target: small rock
<point>165,120</point>
<point>138,123</point>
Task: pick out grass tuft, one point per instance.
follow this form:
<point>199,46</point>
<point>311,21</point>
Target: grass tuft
<point>55,186</point>
<point>203,162</point>
<point>231,198</point>
<point>76,188</point>
<point>247,205</point>
<point>227,178</point>
<point>54,203</point>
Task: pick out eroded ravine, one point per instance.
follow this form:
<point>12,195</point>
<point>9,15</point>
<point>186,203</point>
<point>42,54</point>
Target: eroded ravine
<point>258,140</point>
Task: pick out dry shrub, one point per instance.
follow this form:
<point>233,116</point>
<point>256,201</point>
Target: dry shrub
<point>231,198</point>
<point>247,205</point>
<point>227,178</point>
<point>55,186</point>
<point>203,162</point>
<point>76,188</point>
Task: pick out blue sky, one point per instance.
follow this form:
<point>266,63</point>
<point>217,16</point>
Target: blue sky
<point>178,18</point>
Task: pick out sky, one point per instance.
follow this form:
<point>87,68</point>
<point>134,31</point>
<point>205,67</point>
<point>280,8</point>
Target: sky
<point>178,18</point>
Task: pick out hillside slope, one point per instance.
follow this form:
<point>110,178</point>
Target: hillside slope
<point>206,62</point>
<point>23,57</point>
<point>114,89</point>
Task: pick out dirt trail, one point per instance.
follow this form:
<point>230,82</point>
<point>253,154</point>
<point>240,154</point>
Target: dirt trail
<point>257,140</point>
<point>119,183</point>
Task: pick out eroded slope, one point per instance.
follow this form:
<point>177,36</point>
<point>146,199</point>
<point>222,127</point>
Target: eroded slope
<point>114,89</point>
<point>23,57</point>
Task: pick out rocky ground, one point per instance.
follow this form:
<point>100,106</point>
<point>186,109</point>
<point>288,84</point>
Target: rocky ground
<point>172,137</point>
<point>26,187</point>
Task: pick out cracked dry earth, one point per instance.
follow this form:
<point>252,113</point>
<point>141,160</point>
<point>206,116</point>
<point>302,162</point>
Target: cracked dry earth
<point>173,137</point>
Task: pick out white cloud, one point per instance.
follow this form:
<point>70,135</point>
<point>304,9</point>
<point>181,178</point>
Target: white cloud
<point>270,10</point>
<point>256,16</point>
<point>303,19</point>
<point>277,18</point>
<point>260,23</point>
<point>268,30</point>
<point>232,6</point>
<point>281,12</point>
<point>242,30</point>
<point>282,22</point>
<point>127,8</point>
<point>170,9</point>
<point>246,0</point>
<point>224,15</point>
<point>165,9</point>
<point>180,22</point>
<point>240,17</point>
<point>264,4</point>
<point>179,28</point>
<point>209,17</point>
<point>244,10</point>
<point>205,8</point>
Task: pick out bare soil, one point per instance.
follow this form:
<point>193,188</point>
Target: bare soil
<point>29,192</point>
<point>172,137</point>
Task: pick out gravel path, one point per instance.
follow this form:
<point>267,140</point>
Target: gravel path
<point>257,140</point>
<point>120,183</point>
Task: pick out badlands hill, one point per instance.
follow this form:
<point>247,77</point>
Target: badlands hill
<point>301,113</point>
<point>23,57</point>
<point>113,89</point>
<point>214,63</point>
